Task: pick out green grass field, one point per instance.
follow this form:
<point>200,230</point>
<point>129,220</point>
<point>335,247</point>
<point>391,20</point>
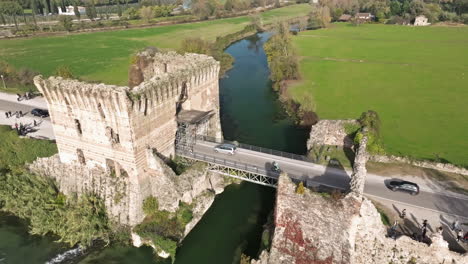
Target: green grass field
<point>105,56</point>
<point>416,78</point>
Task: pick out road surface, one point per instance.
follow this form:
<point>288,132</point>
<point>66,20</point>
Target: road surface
<point>439,202</point>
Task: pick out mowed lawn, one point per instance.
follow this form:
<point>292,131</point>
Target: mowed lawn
<point>416,78</point>
<point>105,56</point>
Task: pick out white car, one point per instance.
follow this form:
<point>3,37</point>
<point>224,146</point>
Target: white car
<point>226,149</point>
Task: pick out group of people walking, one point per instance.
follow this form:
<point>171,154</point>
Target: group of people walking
<point>421,235</point>
<point>26,96</point>
<point>16,114</point>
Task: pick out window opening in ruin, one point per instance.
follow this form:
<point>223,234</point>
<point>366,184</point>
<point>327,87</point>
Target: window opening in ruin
<point>78,127</point>
<point>165,67</point>
<point>80,155</point>
<point>146,106</point>
<point>112,136</point>
<point>101,112</point>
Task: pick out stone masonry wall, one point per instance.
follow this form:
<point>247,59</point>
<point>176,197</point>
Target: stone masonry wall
<point>311,229</point>
<point>101,129</point>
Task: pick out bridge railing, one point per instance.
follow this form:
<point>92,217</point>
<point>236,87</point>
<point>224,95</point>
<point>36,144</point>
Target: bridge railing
<point>183,151</point>
<point>258,149</point>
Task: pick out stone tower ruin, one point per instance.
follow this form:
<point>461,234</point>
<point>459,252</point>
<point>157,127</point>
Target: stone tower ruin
<point>120,128</point>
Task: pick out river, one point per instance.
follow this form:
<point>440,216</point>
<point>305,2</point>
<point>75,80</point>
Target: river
<point>250,113</point>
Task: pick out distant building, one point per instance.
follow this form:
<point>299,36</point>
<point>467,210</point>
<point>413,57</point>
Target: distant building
<point>345,18</point>
<point>70,12</point>
<point>421,21</point>
<point>364,16</point>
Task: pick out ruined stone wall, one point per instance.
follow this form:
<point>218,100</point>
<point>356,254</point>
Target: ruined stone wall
<point>311,229</point>
<point>330,132</point>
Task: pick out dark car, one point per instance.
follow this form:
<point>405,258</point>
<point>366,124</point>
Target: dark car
<point>404,186</point>
<point>40,112</point>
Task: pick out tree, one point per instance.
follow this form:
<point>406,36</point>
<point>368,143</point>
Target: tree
<point>34,11</point>
<point>147,13</point>
<point>395,8</point>
<point>119,9</point>
<point>76,11</point>
<point>11,8</point>
<point>228,5</point>
<point>66,22</point>
<point>91,10</point>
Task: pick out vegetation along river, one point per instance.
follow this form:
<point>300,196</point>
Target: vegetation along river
<point>250,113</point>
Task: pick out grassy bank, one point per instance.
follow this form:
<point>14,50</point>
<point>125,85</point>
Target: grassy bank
<point>414,77</point>
<point>105,56</point>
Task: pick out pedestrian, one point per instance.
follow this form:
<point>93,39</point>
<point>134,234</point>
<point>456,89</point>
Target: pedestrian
<point>19,97</point>
<point>9,113</point>
<point>424,231</point>
<point>403,214</point>
<point>6,114</point>
<point>459,235</point>
<point>424,223</point>
<point>16,126</point>
<point>35,123</point>
<point>440,230</point>
<point>21,113</point>
<point>455,225</point>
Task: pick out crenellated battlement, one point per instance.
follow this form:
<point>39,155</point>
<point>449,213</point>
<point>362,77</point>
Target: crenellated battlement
<point>95,123</point>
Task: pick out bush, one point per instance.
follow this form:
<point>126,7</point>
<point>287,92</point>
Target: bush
<point>300,188</point>
<point>74,220</point>
<point>64,72</point>
<point>163,228</point>
<point>67,22</point>
<point>448,16</point>
<point>150,205</point>
<point>464,18</point>
<point>131,13</point>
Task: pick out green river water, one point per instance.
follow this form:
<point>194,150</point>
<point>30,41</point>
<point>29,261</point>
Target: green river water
<point>250,113</point>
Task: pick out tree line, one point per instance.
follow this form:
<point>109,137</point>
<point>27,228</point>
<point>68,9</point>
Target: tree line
<point>395,11</point>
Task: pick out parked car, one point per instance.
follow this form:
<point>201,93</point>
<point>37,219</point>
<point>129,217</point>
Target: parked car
<point>40,112</point>
<point>226,149</point>
<point>404,186</point>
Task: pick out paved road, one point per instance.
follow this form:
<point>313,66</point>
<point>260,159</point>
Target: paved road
<point>439,202</point>
<point>8,103</point>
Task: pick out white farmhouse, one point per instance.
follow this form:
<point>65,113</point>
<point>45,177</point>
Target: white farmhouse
<point>421,21</point>
<point>69,11</point>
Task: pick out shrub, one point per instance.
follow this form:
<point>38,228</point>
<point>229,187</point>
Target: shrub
<point>150,205</point>
<point>300,188</point>
<point>464,18</point>
<point>67,22</point>
<point>64,72</point>
<point>76,221</point>
<point>131,13</point>
<point>147,13</point>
